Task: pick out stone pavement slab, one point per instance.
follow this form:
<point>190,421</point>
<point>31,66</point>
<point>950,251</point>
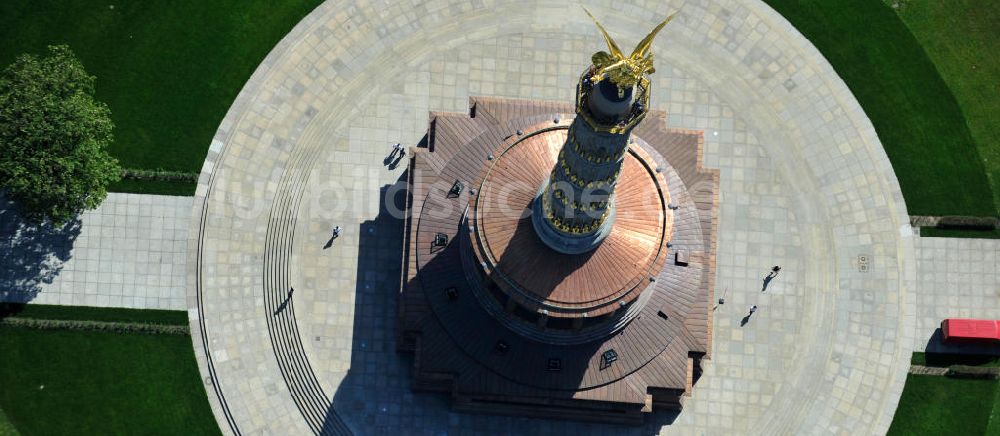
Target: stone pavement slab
<point>129,252</point>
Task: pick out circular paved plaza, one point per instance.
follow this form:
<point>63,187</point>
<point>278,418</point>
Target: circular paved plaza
<point>295,331</point>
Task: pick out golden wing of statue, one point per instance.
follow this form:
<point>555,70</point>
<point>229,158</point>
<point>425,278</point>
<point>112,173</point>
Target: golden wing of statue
<point>625,72</point>
<point>644,65</point>
<point>615,51</point>
<point>643,46</point>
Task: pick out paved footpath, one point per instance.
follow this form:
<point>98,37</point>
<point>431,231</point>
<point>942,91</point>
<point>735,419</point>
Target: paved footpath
<point>956,278</point>
<point>129,252</point>
<point>805,184</point>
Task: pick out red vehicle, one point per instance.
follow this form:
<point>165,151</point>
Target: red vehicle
<point>969,330</point>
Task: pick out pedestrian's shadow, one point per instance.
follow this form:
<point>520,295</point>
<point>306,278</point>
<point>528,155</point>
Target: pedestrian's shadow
<point>745,320</point>
<point>329,243</point>
<point>284,303</point>
<point>767,281</point>
<point>395,163</point>
<point>390,159</point>
<point>31,256</point>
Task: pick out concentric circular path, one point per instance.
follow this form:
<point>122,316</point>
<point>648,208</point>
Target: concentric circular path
<point>805,184</point>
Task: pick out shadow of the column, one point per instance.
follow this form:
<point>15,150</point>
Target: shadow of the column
<point>375,386</point>
<point>375,396</point>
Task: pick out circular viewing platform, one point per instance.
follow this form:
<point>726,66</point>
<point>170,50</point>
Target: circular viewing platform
<point>540,284</point>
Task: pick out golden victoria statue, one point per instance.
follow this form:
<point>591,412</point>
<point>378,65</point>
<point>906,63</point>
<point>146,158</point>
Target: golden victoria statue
<point>624,71</point>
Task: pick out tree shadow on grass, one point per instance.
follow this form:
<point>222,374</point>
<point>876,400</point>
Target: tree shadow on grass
<point>31,256</point>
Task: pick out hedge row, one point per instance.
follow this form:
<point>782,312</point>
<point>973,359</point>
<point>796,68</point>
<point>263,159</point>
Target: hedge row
<point>979,372</point>
<point>110,327</point>
<point>967,222</point>
<point>158,175</point>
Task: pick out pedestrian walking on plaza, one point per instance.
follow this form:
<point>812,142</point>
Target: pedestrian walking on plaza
<point>396,148</point>
<point>394,157</point>
<point>722,300</point>
<point>336,234</point>
<point>746,319</point>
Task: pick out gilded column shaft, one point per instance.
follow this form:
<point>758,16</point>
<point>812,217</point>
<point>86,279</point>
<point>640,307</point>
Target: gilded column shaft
<point>575,207</point>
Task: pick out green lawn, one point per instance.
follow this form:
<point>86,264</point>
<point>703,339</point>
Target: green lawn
<point>971,407</point>
<point>935,405</point>
<point>58,382</point>
<point>962,38</point>
<point>918,119</point>
<point>169,70</point>
<point>84,382</point>
<point>6,427</point>
<point>993,427</point>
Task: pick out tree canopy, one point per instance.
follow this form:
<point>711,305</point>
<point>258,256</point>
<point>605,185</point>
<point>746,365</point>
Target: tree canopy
<point>54,137</point>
